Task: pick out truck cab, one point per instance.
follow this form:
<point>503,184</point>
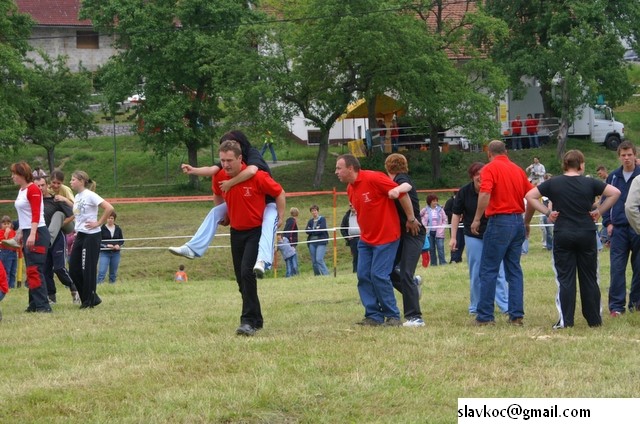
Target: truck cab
<point>599,124</point>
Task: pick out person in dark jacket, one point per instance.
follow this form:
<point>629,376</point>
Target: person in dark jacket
<point>318,237</point>
<point>112,240</point>
<point>351,232</point>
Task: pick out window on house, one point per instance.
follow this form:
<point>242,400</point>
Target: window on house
<point>313,136</point>
<point>87,40</point>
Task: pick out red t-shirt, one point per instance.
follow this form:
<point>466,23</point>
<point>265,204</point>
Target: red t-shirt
<point>377,214</point>
<point>532,126</point>
<point>245,201</point>
<point>4,284</point>
<point>516,127</point>
<point>507,183</point>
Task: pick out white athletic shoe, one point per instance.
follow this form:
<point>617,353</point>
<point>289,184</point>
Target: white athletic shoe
<point>258,268</point>
<point>184,251</point>
<point>414,322</point>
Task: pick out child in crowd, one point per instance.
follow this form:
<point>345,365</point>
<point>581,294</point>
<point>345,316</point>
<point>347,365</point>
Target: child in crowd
<point>289,255</point>
<point>4,285</point>
<point>8,252</point>
<point>426,256</point>
<point>181,276</point>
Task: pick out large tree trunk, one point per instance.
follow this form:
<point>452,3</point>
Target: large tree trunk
<point>564,121</point>
<point>51,159</point>
<point>192,153</point>
<point>434,136</point>
<point>323,152</point>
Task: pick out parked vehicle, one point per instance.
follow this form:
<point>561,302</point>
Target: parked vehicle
<point>594,122</point>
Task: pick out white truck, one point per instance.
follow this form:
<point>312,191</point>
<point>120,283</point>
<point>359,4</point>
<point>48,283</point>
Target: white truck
<point>596,123</point>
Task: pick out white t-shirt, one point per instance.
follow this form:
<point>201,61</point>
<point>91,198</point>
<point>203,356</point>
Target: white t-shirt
<point>85,209</point>
<point>23,207</point>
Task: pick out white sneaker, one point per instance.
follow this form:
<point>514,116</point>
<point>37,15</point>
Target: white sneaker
<point>258,268</point>
<point>414,322</point>
<point>11,243</point>
<point>183,250</point>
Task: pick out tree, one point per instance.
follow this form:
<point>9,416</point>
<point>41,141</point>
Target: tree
<point>572,48</point>
<point>327,53</point>
<point>54,104</point>
<point>15,29</point>
<point>448,80</point>
<point>192,59</point>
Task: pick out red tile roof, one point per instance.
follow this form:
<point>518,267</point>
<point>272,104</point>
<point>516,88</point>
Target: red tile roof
<point>53,12</point>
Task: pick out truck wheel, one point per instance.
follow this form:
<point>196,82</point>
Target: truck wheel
<point>612,142</point>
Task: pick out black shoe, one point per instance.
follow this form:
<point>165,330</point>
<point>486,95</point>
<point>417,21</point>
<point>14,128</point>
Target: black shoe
<point>245,330</point>
<point>30,309</point>
<point>43,311</point>
<point>52,299</point>
<point>369,322</point>
<point>95,301</point>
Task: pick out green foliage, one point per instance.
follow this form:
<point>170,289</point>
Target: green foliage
<point>54,104</point>
<point>14,33</point>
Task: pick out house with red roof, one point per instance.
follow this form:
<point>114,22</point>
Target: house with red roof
<point>59,31</point>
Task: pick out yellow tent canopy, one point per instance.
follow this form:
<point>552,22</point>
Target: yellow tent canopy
<point>386,107</point>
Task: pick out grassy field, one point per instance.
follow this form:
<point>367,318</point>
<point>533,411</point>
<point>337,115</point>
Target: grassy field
<point>160,352</point>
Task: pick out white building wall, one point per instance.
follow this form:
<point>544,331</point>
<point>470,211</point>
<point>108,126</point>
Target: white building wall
<point>349,129</point>
<point>57,41</point>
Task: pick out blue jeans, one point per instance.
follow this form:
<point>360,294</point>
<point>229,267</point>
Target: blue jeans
<point>437,245</point>
<point>201,240</point>
<point>624,241</point>
<point>548,233</point>
<point>273,152</point>
<point>109,260</point>
<point>375,264</point>
<point>292,266</point>
<point>504,237</point>
<point>9,259</point>
<point>474,256</point>
<point>516,142</point>
<point>317,252</point>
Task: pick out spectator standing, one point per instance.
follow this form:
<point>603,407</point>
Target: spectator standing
<point>456,255</point>
<point>435,220</point>
<point>9,254</point>
<point>199,243</point>
<point>289,255</point>
<point>180,275</point>
<point>351,233</point>
<point>602,172</point>
<point>574,247</point>
<point>4,285</point>
<point>536,171</point>
<point>503,185</point>
<point>368,192</point>
<point>624,241</point>
<point>246,208</point>
<point>83,263</point>
<point>33,234</point>
<point>317,239</point>
<point>112,241</point>
<point>531,125</point>
<point>404,266</point>
<point>516,133</point>
<point>291,227</point>
<point>464,208</point>
<point>268,144</point>
<point>56,261</point>
<point>395,136</point>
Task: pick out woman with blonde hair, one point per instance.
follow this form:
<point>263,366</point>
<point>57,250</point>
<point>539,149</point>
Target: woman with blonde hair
<point>83,263</point>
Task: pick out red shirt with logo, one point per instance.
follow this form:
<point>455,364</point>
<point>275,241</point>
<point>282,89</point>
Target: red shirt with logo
<point>377,214</point>
<point>507,183</point>
<point>245,200</point>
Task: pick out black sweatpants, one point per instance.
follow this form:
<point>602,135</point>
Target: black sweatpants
<point>404,269</point>
<point>83,265</point>
<point>244,250</point>
<point>577,250</point>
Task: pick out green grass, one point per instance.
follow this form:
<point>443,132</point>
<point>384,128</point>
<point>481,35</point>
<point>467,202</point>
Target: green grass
<point>160,352</point>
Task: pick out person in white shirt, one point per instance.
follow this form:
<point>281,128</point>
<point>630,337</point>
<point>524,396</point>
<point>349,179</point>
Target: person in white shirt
<point>83,263</point>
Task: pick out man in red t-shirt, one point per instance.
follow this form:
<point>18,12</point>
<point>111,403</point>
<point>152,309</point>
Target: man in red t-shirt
<point>531,125</point>
<point>379,224</point>
<point>516,133</point>
<point>245,209</point>
<point>503,185</point>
